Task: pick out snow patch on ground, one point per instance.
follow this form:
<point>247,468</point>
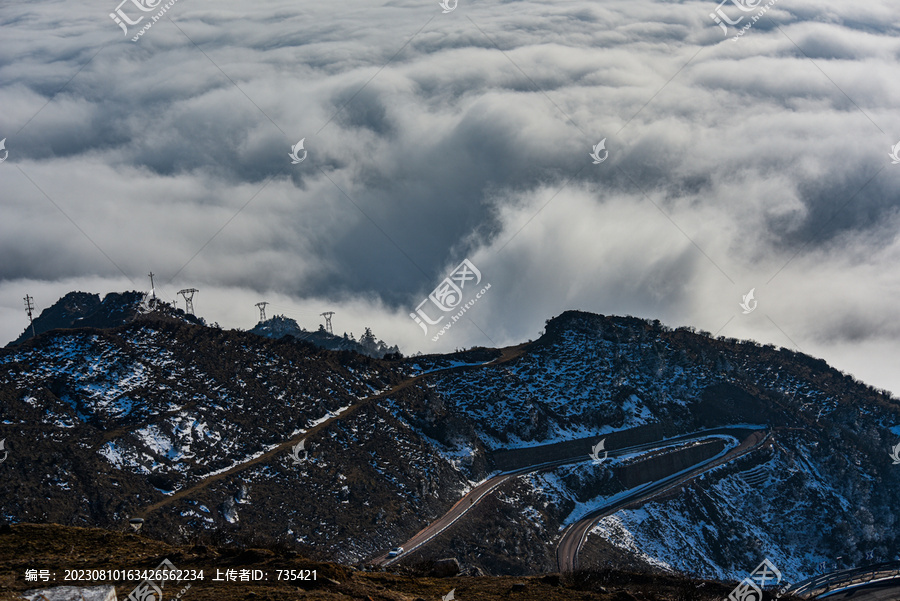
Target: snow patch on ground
<point>613,529</point>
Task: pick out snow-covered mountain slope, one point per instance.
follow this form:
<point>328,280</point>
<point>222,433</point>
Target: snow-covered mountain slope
<point>196,430</point>
<point>155,407</point>
<point>823,487</point>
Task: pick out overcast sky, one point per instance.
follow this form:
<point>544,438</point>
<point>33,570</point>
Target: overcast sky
<point>734,163</point>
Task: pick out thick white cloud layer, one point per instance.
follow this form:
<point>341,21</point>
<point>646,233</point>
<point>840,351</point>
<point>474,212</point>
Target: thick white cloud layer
<point>760,162</point>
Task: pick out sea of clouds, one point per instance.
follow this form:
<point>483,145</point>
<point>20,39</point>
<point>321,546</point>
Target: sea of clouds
<point>757,163</point>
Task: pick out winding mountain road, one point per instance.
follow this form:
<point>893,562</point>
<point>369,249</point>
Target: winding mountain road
<point>574,536</point>
<point>879,582</point>
<point>888,590</point>
<point>572,540</point>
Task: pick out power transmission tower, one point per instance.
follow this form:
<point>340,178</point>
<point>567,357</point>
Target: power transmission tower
<point>327,315</point>
<point>262,310</point>
<point>152,287</point>
<point>29,307</point>
<point>188,294</point>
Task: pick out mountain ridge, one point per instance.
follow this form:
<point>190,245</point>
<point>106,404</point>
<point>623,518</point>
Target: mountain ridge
<point>125,417</point>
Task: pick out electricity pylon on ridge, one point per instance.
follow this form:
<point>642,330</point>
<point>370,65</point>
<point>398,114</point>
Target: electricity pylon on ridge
<point>327,315</point>
<point>188,294</point>
<point>29,307</point>
<point>262,310</point>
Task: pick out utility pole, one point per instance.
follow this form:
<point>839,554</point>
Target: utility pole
<point>327,315</point>
<point>29,307</point>
<point>262,310</point>
<point>188,294</point>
